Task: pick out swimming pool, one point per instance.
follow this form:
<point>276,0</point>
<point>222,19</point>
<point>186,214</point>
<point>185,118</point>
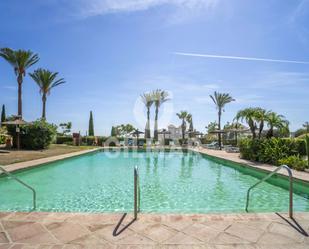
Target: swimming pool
<point>171,182</point>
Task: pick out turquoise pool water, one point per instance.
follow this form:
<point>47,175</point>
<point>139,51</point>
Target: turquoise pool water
<point>173,182</point>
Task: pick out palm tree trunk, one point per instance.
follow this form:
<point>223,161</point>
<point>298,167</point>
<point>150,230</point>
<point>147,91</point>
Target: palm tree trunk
<point>20,82</point>
<point>44,106</point>
<point>219,127</point>
<point>147,130</point>
<point>183,130</point>
<point>155,135</point>
<point>261,129</point>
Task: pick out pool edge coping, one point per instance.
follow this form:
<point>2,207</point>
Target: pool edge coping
<point>41,161</point>
<point>266,168</point>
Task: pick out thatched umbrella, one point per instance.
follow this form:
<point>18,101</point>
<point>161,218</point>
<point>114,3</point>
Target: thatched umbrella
<point>237,131</point>
<point>218,132</point>
<point>136,134</point>
<point>195,133</point>
<point>17,123</point>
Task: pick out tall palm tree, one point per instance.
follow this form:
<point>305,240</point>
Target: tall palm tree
<point>275,120</point>
<point>249,115</point>
<point>147,99</point>
<point>46,81</point>
<point>20,60</point>
<point>183,116</point>
<point>190,121</point>
<point>159,98</point>
<point>220,100</point>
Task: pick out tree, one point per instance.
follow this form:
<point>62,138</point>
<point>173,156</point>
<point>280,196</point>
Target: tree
<point>46,81</point>
<point>66,127</point>
<point>261,116</point>
<point>113,131</point>
<point>306,126</point>
<point>275,120</point>
<point>20,60</point>
<point>249,115</point>
<point>183,116</point>
<point>159,98</point>
<point>91,128</point>
<point>3,115</point>
<point>212,126</point>
<point>124,129</point>
<point>190,121</point>
<point>147,99</point>
<point>220,100</point>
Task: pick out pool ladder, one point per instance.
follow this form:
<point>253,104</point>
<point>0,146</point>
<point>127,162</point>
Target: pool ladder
<point>22,183</point>
<point>266,178</point>
<point>137,193</point>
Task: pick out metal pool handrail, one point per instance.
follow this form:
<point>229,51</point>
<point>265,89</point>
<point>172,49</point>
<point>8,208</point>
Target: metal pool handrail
<point>270,175</point>
<point>137,193</point>
<point>22,183</point>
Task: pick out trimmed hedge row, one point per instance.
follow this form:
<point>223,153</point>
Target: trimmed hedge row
<point>64,139</point>
<point>271,150</point>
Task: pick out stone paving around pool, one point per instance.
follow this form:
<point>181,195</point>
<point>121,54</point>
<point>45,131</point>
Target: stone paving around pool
<point>68,231</point>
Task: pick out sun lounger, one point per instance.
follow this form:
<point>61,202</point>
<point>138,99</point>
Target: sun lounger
<point>232,149</point>
<point>213,145</point>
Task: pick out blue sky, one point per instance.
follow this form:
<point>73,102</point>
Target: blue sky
<point>111,51</point>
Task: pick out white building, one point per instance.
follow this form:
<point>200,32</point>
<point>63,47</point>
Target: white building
<point>174,133</point>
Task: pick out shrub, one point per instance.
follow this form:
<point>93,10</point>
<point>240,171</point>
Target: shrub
<point>270,150</point>
<point>89,140</point>
<point>183,141</point>
<point>300,132</point>
<point>64,139</point>
<point>294,162</point>
<point>3,133</point>
<point>34,136</point>
<point>250,149</point>
<point>307,149</point>
<point>2,139</point>
<point>275,149</point>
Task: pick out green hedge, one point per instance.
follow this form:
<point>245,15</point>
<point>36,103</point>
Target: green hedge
<point>271,150</point>
<point>89,140</point>
<point>64,139</point>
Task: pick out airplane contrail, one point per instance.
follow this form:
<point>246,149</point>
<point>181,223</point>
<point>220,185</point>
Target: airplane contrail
<point>239,58</point>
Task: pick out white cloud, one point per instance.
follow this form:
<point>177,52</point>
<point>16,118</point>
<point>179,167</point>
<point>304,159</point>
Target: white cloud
<point>101,7</point>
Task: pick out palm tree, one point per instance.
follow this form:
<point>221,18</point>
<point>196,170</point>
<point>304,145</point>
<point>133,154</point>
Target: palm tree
<point>183,116</point>
<point>159,97</point>
<point>249,115</point>
<point>275,120</point>
<point>261,116</point>
<point>147,99</point>
<point>21,60</point>
<point>306,126</point>
<point>220,100</point>
<point>190,121</point>
<point>46,81</point>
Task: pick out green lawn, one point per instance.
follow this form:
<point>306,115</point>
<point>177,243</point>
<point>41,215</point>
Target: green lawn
<point>15,156</point>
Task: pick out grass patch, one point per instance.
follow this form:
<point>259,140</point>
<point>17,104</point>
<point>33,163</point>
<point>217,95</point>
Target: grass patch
<point>15,156</point>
